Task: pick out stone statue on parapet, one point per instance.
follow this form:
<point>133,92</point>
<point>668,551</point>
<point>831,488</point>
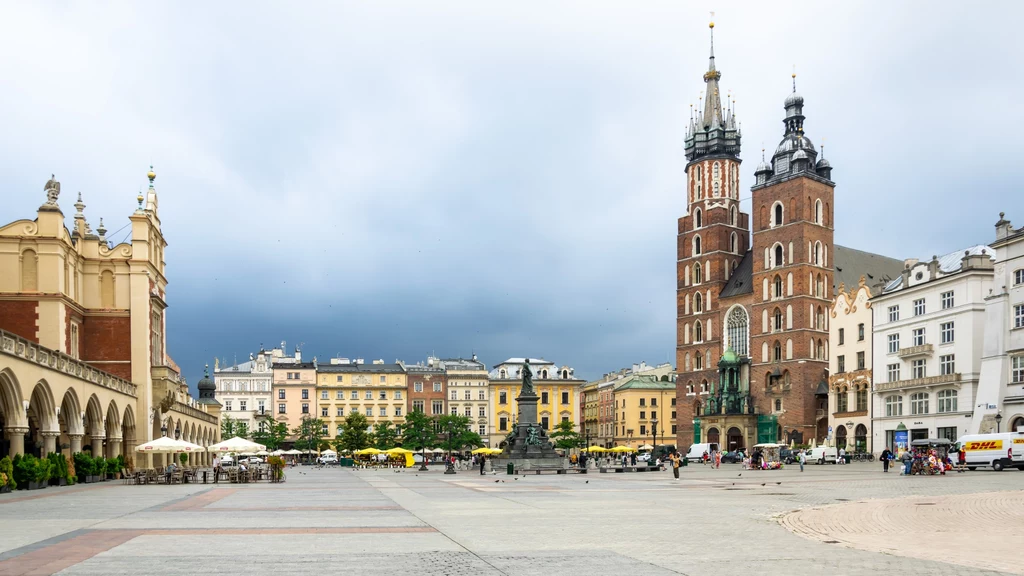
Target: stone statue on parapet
<point>52,189</point>
<point>527,389</point>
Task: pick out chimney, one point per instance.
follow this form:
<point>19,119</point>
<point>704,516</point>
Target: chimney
<point>1003,227</point>
<point>933,267</point>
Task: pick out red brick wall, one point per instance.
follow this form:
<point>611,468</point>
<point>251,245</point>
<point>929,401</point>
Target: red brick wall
<point>19,317</point>
<point>428,395</point>
<point>106,339</point>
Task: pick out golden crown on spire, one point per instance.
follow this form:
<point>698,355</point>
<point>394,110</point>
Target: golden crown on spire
<point>151,175</point>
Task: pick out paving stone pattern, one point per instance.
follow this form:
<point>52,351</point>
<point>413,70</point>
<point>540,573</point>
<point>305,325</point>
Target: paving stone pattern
<point>830,519</point>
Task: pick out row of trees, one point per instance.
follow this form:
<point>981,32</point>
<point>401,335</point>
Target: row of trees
<point>448,432</point>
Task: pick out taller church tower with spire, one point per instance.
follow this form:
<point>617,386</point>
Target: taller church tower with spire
<point>712,238</point>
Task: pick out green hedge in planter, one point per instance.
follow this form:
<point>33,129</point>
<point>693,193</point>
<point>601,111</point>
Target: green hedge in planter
<point>29,469</point>
<point>7,469</point>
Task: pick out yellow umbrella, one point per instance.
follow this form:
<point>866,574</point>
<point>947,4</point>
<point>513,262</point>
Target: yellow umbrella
<point>496,451</point>
<point>621,449</point>
<point>366,451</point>
<point>482,450</point>
<point>397,451</point>
<point>595,449</point>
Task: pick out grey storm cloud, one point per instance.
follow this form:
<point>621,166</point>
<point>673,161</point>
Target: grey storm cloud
<point>395,179</point>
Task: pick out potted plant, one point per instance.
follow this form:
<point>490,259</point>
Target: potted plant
<point>99,469</point>
<point>183,458</point>
<point>7,482</point>
<point>113,469</point>
<point>276,468</point>
<point>58,469</point>
<point>69,469</point>
<point>31,473</point>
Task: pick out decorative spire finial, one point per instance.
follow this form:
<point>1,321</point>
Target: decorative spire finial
<point>794,78</point>
<point>151,175</point>
<point>80,207</point>
<point>206,370</point>
<point>140,198</point>
<point>102,231</point>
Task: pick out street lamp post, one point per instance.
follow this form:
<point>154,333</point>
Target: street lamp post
<point>449,468</point>
<point>999,419</point>
<point>654,433</point>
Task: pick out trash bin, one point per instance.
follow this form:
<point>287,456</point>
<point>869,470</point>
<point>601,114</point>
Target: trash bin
<point>510,469</point>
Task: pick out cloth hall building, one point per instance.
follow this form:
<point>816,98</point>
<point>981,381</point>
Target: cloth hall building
<point>754,290</point>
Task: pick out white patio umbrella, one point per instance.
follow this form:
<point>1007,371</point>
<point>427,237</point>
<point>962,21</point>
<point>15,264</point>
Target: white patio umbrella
<point>292,452</point>
<point>236,444</point>
<point>278,453</point>
<point>329,451</point>
<point>263,453</point>
<point>165,445</point>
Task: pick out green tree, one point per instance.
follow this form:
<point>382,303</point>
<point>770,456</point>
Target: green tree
<point>272,435</point>
<point>565,436</point>
<point>309,434</point>
<point>418,433</point>
<point>384,436</point>
<point>228,427</point>
<point>353,435</point>
<point>456,434</point>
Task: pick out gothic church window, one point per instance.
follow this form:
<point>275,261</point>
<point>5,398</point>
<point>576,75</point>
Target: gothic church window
<point>778,256</point>
<point>696,246</point>
<point>698,219</point>
<point>777,214</point>
<point>818,216</point>
<point>697,275</point>
<point>738,329</point>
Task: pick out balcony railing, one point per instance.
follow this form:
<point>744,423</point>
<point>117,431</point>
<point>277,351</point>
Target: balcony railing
<point>922,350</point>
<point>918,382</point>
<point>717,406</point>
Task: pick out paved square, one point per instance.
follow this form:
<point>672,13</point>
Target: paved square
<point>838,519</point>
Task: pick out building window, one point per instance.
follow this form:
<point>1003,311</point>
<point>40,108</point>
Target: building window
<point>262,406</point>
<point>502,397</point>
<point>1018,277</point>
<point>481,395</point>
<point>544,422</point>
<point>842,400</point>
<point>894,313</point>
<point>894,406</point>
<point>862,400</point>
<point>305,408</point>
<point>382,395</point>
<point>323,411</point>
<point>341,411</point>
<point>1017,369</point>
<point>280,394</point>
<point>947,300</point>
<point>697,276</point>
<point>305,394</point>
<point>777,353</point>
<point>323,394</point>
<point>398,410</point>
<point>339,395</point>
<point>383,411</point>
<point>894,343</point>
<point>917,369</point>
<point>468,394</point>
<point>919,403</point>
<point>565,397</point>
<point>502,424</point>
<point>543,397</point>
<point>738,327</point>
<point>919,307</point>
<point>860,332</point>
<point>482,429</point>
<point>918,336</point>
<point>417,406</point>
<point>894,372</point>
<point>280,409</point>
<point>842,336</point>
<point>946,332</point>
<point>482,412</point>
<point>946,365</point>
<point>369,395</point>
<point>947,400</point>
<point>1018,316</point>
<point>437,407</point>
<point>841,363</point>
<point>398,394</point>
<point>369,412</point>
<point>860,360</point>
<point>227,405</point>
<point>643,415</point>
<point>947,432</point>
<point>242,405</point>
<point>383,379</point>
<point>354,395</point>
<point>454,394</point>
<point>467,411</point>
<point>437,386</point>
<point>417,387</point>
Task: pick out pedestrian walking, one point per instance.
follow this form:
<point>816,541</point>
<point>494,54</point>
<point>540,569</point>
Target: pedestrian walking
<point>216,469</point>
<point>718,459</point>
<point>704,458</point>
<point>632,458</point>
<point>482,460</point>
<point>802,459</point>
<point>908,460</point>
<point>675,464</point>
<point>842,455</point>
<point>886,456</point>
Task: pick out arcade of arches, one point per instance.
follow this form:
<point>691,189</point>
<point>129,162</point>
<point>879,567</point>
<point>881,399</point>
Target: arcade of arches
<point>50,402</point>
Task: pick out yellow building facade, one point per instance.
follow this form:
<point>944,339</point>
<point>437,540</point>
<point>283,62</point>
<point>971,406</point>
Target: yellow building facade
<point>377,390</point>
<point>640,401</point>
<point>558,389</point>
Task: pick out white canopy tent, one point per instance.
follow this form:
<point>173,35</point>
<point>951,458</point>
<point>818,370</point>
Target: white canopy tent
<point>236,444</point>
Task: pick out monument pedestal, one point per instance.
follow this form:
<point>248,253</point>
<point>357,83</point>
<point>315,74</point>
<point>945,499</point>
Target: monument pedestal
<point>528,446</point>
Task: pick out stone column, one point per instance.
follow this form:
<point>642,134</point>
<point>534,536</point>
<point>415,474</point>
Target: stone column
<point>97,446</point>
<point>76,442</point>
<point>49,443</point>
<point>113,447</point>
<point>16,436</point>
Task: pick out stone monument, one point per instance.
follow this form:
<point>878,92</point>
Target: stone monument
<point>527,445</point>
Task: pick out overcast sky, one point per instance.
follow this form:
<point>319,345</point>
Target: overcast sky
<point>394,179</point>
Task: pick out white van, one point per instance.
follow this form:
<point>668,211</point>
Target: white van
<point>823,454</point>
<point>697,451</point>
<point>1001,450</point>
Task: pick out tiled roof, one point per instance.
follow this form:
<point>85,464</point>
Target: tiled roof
<point>850,264</point>
<point>741,281</point>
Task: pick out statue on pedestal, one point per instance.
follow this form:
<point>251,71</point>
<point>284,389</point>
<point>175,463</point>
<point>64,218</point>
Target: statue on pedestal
<point>527,389</point>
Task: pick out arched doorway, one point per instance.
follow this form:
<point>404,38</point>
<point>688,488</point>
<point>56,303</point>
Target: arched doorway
<point>713,435</point>
<point>42,421</point>
<point>840,436</point>
<point>734,439</point>
<point>860,438</point>
<point>1017,424</point>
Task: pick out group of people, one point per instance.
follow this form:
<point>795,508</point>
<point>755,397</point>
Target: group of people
<point>925,461</point>
<point>714,458</point>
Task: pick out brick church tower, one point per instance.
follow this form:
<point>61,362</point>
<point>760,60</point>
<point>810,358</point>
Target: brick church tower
<point>712,237</point>
<point>792,273</point>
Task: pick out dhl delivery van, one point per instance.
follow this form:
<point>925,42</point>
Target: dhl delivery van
<point>999,451</point>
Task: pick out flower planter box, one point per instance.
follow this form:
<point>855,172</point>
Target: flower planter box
<point>5,489</point>
<point>36,485</point>
<point>91,479</point>
<point>58,482</point>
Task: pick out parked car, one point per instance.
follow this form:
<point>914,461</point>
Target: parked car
<point>733,457</point>
<point>788,456</point>
<point>254,460</point>
<point>328,459</point>
<point>643,457</point>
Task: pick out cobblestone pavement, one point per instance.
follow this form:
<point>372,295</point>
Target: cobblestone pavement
<point>840,519</point>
